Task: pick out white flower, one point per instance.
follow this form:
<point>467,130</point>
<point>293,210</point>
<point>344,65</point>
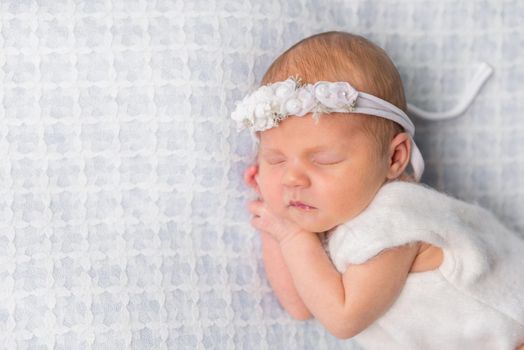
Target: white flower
<point>243,114</point>
<point>263,94</point>
<point>307,98</point>
<point>292,106</point>
<point>338,95</point>
<point>284,90</point>
<point>263,116</point>
<point>262,110</point>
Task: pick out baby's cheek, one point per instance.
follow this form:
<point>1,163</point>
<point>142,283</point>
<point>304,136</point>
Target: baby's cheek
<point>267,181</point>
<point>338,204</point>
<point>273,200</point>
<point>267,191</point>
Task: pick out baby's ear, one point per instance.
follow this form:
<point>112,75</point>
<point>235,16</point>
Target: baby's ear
<point>399,155</point>
<point>250,177</point>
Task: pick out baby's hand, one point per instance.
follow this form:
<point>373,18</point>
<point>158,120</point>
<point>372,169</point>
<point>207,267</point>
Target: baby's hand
<point>264,220</point>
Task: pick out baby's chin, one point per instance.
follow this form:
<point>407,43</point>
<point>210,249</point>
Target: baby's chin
<point>311,221</point>
<point>316,227</point>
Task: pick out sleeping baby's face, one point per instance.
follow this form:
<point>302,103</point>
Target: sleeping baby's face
<point>320,174</point>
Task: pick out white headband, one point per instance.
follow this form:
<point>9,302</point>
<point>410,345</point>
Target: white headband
<point>269,104</point>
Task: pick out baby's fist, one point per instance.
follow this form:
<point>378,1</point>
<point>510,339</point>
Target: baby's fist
<point>265,220</point>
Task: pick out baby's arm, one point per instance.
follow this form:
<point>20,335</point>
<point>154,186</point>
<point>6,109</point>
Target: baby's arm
<point>346,304</point>
<point>281,280</point>
<point>275,266</point>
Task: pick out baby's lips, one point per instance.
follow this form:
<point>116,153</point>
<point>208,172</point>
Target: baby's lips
<point>299,204</point>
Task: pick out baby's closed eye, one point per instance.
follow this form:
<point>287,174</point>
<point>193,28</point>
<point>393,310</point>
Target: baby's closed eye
<point>327,159</point>
<point>274,159</point>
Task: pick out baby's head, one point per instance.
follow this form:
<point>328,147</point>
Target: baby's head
<point>323,168</point>
<point>340,56</point>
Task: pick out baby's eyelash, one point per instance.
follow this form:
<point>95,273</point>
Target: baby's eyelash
<point>327,163</point>
<point>332,161</point>
<point>275,161</point>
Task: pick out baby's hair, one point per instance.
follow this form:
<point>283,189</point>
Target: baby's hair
<point>340,56</point>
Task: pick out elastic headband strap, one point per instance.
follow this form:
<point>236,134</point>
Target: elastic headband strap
<point>369,104</point>
<point>482,74</point>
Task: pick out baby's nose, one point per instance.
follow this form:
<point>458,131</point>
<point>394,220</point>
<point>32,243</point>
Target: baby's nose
<point>294,176</point>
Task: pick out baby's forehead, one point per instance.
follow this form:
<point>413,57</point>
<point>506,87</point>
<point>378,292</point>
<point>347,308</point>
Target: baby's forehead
<point>332,129</point>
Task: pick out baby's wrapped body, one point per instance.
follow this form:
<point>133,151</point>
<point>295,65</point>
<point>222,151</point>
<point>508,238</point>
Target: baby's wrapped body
<point>474,300</point>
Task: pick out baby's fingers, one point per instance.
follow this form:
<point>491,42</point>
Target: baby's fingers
<point>258,223</point>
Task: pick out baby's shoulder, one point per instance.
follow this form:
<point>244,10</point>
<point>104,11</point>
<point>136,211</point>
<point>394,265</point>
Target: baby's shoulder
<point>401,188</point>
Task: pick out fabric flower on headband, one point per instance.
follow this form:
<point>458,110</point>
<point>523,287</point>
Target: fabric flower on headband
<point>269,104</point>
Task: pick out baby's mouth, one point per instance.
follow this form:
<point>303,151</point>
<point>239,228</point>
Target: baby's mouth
<point>300,205</point>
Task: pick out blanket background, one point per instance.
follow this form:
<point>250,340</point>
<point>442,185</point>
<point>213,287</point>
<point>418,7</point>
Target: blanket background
<point>122,210</point>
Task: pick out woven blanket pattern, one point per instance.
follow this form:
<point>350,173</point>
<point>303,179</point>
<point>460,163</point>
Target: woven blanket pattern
<point>123,221</point>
